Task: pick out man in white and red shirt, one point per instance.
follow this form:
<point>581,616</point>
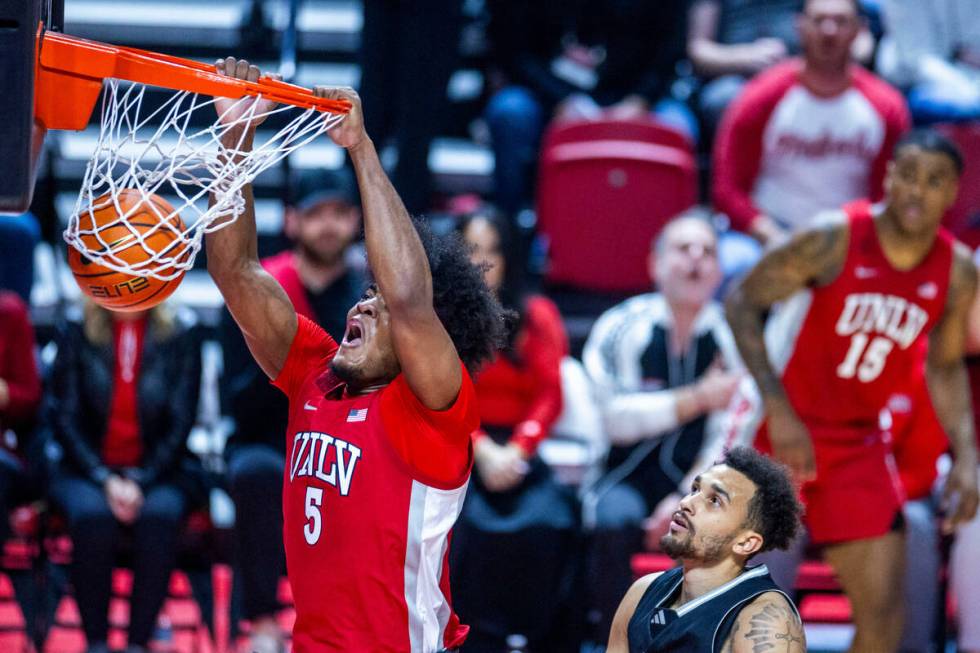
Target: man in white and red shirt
<point>807,135</point>
<point>378,451</point>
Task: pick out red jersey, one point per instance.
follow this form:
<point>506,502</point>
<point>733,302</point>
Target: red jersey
<point>366,531</point>
<point>844,348</point>
<point>526,395</point>
<point>123,445</point>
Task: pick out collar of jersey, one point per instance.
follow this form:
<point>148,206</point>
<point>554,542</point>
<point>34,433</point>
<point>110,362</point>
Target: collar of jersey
<point>331,385</point>
<point>753,572</point>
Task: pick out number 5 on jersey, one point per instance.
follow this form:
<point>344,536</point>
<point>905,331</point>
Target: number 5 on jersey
<point>314,526</point>
<point>865,360</point>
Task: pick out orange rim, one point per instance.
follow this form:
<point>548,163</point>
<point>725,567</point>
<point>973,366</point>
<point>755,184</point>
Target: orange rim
<point>70,71</point>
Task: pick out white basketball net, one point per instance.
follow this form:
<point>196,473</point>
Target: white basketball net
<point>175,151</point>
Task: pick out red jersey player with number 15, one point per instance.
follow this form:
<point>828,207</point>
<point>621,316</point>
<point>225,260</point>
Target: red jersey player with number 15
<point>862,295</point>
<point>378,442</point>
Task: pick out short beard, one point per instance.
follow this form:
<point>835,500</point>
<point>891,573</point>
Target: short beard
<point>676,548</point>
<point>347,373</point>
<point>318,259</point>
<point>714,548</point>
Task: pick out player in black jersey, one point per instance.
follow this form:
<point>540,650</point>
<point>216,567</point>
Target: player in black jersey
<point>713,602</point>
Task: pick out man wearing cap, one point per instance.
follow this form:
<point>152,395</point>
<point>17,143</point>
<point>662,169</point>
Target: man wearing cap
<point>322,220</point>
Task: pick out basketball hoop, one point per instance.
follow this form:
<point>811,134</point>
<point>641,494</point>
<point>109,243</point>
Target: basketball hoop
<point>173,149</point>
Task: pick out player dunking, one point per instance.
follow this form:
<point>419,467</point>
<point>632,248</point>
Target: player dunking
<point>862,294</point>
<point>378,443</point>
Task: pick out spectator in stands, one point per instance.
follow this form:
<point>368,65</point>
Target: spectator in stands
<point>409,50</point>
<point>322,224</point>
<point>664,364</point>
<point>20,394</point>
<point>125,393</point>
<point>517,522</point>
<point>19,235</point>
<point>931,49</point>
<point>729,41</point>
<point>808,134</point>
<point>577,61</point>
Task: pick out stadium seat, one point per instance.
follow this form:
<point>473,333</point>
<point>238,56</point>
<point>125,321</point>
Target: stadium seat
<point>964,218</point>
<point>605,189</point>
<point>825,609</point>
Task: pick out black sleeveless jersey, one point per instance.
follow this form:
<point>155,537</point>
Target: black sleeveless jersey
<point>701,625</point>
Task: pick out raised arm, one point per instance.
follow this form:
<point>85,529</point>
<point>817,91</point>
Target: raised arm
<point>810,258</point>
<point>767,624</point>
<point>425,352</point>
<point>950,390</point>
<point>258,303</point>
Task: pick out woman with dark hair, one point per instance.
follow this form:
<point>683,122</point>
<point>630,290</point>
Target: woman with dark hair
<point>517,522</point>
<point>125,389</point>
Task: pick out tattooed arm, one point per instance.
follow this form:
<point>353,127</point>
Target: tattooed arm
<point>950,391</point>
<point>618,637</point>
<point>768,624</point>
<point>811,258</point>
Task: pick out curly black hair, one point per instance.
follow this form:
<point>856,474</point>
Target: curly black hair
<point>774,510</point>
<point>476,322</point>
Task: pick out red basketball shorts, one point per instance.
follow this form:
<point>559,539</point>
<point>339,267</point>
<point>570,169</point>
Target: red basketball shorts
<point>857,493</point>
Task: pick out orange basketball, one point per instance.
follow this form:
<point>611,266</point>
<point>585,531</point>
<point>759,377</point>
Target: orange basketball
<point>115,290</point>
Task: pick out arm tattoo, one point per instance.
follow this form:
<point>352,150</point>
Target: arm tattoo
<point>810,258</point>
<point>774,628</point>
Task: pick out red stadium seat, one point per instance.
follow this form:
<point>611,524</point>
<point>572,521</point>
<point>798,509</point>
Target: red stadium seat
<point>825,609</point>
<point>605,190</point>
<point>650,563</point>
<point>964,218</point>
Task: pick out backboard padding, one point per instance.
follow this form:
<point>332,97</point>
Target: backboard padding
<point>19,141</point>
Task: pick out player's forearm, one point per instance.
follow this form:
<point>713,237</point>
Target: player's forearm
<point>746,321</point>
<point>232,250</point>
<point>950,392</point>
<point>395,254</point>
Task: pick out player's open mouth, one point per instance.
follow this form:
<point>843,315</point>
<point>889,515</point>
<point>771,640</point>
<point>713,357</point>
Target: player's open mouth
<point>678,523</point>
<point>352,338</point>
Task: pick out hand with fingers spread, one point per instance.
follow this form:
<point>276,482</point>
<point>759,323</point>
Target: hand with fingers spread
<point>232,111</point>
<point>350,132</point>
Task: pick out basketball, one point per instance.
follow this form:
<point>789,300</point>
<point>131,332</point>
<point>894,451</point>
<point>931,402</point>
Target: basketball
<point>118,291</point>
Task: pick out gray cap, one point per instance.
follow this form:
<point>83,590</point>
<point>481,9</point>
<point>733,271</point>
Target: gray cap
<point>311,186</point>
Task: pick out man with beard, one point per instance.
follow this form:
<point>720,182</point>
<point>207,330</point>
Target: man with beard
<point>713,602</point>
<point>322,221</point>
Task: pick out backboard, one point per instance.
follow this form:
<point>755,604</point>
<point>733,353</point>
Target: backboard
<point>20,139</point>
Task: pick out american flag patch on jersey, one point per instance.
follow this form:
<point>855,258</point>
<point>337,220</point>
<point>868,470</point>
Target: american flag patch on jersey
<point>357,415</point>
